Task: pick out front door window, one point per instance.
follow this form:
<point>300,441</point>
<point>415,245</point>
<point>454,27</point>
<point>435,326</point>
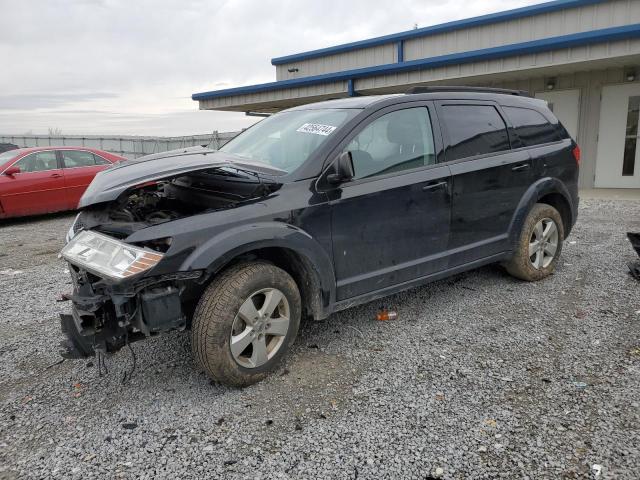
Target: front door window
<point>38,162</point>
<point>397,141</point>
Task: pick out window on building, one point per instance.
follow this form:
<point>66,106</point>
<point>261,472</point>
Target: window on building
<point>631,137</point>
<point>474,130</point>
<point>531,126</point>
<point>78,158</point>
<point>38,162</point>
<point>397,141</point>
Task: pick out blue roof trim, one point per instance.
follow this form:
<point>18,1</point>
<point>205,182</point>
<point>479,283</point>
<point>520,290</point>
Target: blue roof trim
<point>435,29</point>
<point>534,46</point>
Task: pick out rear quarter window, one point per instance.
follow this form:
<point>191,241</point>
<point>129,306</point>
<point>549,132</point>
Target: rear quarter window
<point>532,127</point>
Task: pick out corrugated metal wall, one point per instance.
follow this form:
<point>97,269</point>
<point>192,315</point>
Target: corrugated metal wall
<point>127,146</point>
<point>364,57</point>
<point>556,62</point>
<point>553,62</point>
<point>563,22</point>
<point>274,99</point>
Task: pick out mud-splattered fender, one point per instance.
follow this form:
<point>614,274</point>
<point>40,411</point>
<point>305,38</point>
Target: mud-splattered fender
<point>536,191</point>
<point>221,249</point>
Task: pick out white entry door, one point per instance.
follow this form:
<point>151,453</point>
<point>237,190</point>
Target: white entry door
<point>565,104</point>
<point>617,162</point>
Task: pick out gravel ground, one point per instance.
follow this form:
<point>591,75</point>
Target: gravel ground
<point>481,376</point>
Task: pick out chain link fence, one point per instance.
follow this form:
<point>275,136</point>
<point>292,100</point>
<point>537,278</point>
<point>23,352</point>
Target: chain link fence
<point>127,146</point>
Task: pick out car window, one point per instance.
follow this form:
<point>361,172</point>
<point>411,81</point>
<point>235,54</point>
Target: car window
<point>531,126</point>
<point>38,162</point>
<point>474,130</point>
<point>99,160</point>
<point>77,158</point>
<point>397,141</point>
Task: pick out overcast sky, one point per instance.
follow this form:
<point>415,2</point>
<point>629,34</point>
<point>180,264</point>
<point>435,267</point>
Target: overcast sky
<point>130,67</point>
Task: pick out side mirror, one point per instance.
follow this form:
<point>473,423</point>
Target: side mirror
<point>344,169</point>
<point>11,171</point>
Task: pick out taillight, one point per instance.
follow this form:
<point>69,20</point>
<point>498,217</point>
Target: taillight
<point>576,154</point>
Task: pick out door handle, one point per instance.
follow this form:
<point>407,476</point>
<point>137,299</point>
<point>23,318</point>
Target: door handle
<point>56,175</point>
<point>521,167</point>
<point>434,186</point>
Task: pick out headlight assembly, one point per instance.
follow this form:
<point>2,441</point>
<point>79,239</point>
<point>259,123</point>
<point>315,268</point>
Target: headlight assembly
<point>107,256</point>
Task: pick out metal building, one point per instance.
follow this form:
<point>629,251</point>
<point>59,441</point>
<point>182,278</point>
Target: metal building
<point>582,56</point>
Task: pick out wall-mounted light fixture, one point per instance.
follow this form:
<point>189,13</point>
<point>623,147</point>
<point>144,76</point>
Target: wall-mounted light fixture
<point>292,70</point>
<point>551,83</point>
<point>630,75</point>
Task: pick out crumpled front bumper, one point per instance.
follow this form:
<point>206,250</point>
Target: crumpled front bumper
<point>76,345</point>
<point>106,316</point>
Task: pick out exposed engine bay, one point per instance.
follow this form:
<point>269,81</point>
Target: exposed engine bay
<point>165,200</point>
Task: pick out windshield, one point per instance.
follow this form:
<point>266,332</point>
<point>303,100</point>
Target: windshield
<point>286,140</point>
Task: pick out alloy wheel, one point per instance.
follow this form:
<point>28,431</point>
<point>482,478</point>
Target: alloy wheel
<point>543,244</point>
<point>260,327</point>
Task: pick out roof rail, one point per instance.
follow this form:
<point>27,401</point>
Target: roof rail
<point>438,89</point>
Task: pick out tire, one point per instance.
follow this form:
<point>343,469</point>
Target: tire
<point>239,348</point>
<point>535,267</point>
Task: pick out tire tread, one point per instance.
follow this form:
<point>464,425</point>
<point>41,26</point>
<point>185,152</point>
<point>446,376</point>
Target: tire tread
<point>211,321</point>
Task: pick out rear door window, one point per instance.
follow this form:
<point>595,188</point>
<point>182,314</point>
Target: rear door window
<point>531,126</point>
<point>396,141</point>
<point>77,158</point>
<point>474,130</point>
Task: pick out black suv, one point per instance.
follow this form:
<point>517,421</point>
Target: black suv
<point>316,209</point>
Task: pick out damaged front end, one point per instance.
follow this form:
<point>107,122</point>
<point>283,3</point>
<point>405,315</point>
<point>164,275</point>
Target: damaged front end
<point>125,290</point>
<point>105,316</point>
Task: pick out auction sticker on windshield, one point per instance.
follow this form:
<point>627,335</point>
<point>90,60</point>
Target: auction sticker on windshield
<point>316,129</point>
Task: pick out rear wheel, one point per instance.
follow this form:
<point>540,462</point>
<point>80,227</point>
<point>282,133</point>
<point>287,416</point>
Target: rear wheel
<point>245,322</point>
<point>539,245</point>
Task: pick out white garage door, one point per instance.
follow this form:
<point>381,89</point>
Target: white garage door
<point>617,163</point>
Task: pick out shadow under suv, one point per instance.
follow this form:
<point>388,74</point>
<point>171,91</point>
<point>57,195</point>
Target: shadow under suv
<point>316,209</point>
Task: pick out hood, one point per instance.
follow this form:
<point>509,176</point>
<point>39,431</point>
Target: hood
<point>110,183</point>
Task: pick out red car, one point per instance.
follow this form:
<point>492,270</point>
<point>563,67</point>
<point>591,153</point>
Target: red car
<point>47,179</point>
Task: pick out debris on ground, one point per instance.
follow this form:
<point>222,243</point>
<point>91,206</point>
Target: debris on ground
<point>385,315</point>
<point>580,313</point>
<point>490,422</point>
<point>596,469</point>
<point>634,267</point>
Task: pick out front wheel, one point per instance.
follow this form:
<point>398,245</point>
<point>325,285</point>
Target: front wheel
<point>245,322</point>
<point>539,246</point>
